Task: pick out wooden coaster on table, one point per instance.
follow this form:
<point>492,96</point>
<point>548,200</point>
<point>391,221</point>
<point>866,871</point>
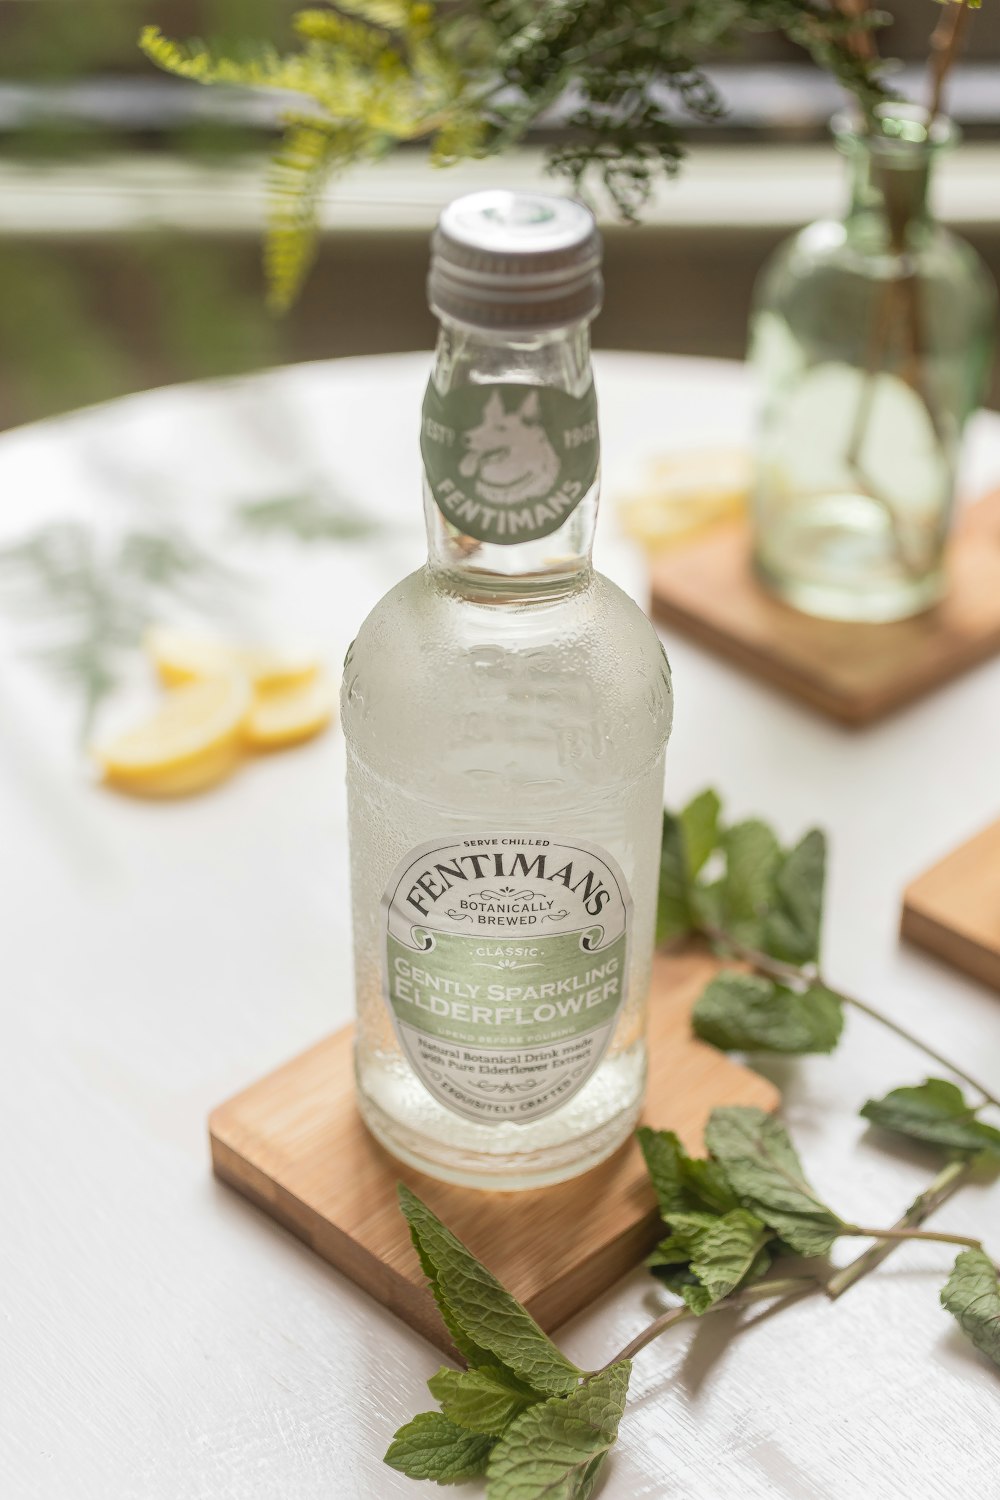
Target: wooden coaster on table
<point>953,909</point>
<point>854,673</point>
<point>294,1144</point>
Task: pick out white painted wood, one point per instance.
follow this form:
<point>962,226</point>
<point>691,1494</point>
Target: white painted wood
<point>731,187</point>
<point>164,1341</point>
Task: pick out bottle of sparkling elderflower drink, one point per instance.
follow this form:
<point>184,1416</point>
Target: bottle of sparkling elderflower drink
<point>506,710</point>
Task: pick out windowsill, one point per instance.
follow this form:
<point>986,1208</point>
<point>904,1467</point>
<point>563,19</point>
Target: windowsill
<point>725,187</point>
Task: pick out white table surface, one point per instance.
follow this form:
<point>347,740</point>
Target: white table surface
<point>162,1339</point>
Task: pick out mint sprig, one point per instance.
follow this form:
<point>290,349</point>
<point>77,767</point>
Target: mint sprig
<point>555,1450</point>
<point>484,1401</point>
<point>535,1426</point>
<point>760,905</point>
<point>972,1295</point>
<point>488,1324</point>
<point>431,1447</point>
<point>522,1415</point>
<point>748,1013</point>
<point>526,1419</point>
<point>937,1113</point>
<point>763,1168</point>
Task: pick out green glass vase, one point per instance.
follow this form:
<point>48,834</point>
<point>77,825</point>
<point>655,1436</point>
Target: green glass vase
<point>871,343</point>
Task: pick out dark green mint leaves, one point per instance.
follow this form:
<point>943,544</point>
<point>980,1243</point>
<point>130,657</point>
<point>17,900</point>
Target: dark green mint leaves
<point>761,1165</point>
<point>555,1450</point>
<point>738,880</point>
<point>934,1111</point>
<point>714,1244</point>
<point>522,1414</point>
<point>484,1401</point>
<point>431,1447</point>
<point>972,1295</point>
<point>739,1012</point>
<point>730,1213</point>
<point>489,1326</point>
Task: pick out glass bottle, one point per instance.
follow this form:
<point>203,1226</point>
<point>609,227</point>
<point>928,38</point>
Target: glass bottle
<point>506,710</point>
<point>871,341</point>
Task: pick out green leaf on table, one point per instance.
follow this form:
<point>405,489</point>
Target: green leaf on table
<point>431,1447</point>
<point>682,1183</point>
<point>730,1252</point>
<point>554,1450</point>
<point>713,1243</point>
<point>792,926</point>
<point>747,1013</point>
<point>699,823</point>
<point>484,1401</point>
<point>972,1295</point>
<point>488,1323</point>
<point>934,1111</point>
<point>762,1167</point>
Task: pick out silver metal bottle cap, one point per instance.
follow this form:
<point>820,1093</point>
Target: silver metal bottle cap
<point>515,261</point>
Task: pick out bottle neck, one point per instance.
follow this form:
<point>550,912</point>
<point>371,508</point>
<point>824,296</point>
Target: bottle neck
<point>890,165</point>
<point>510,474</point>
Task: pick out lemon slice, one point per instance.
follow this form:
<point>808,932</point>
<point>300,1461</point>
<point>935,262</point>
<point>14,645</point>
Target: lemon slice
<point>687,493</point>
<point>284,716</point>
<point>185,656</point>
<point>192,741</point>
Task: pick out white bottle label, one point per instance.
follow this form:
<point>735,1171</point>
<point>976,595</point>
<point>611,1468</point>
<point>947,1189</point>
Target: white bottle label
<point>506,958</point>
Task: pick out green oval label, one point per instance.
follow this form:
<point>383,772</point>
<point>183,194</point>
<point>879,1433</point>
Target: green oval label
<point>505,968</point>
<point>509,463</point>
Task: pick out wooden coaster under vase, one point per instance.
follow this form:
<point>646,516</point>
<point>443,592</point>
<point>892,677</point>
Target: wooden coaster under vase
<point>853,673</point>
<point>294,1144</point>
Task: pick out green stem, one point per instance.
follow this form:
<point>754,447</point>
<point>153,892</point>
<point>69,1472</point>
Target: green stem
<point>913,1234</point>
<point>934,1194</point>
<point>780,1287</point>
<point>784,973</point>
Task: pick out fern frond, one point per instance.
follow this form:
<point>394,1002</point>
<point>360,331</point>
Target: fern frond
<point>257,66</point>
<point>392,15</point>
<point>329,29</point>
<point>311,151</point>
<point>461,137</point>
<point>262,65</point>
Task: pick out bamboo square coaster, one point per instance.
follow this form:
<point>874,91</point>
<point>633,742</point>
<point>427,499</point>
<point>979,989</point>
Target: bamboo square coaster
<point>854,673</point>
<point>294,1144</point>
<point>953,909</point>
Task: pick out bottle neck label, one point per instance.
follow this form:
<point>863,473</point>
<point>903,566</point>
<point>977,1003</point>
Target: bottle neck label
<point>506,962</point>
<point>509,463</point>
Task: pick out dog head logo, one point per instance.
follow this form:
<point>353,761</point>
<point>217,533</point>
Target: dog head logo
<point>508,455</point>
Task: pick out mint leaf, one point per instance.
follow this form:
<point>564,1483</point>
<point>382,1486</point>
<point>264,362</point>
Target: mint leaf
<point>431,1447</point>
<point>554,1450</point>
<point>747,1013</point>
<point>484,1401</point>
<point>699,823</point>
<point>972,1295</point>
<point>683,1183</point>
<point>934,1111</point>
<point>792,927</point>
<point>466,1346</point>
<point>697,1297</point>
<point>663,1153</point>
<point>761,1165</point>
<point>673,914</point>
<point>729,1251</point>
<point>752,856</point>
<point>485,1314</point>
<point>705,1182</point>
